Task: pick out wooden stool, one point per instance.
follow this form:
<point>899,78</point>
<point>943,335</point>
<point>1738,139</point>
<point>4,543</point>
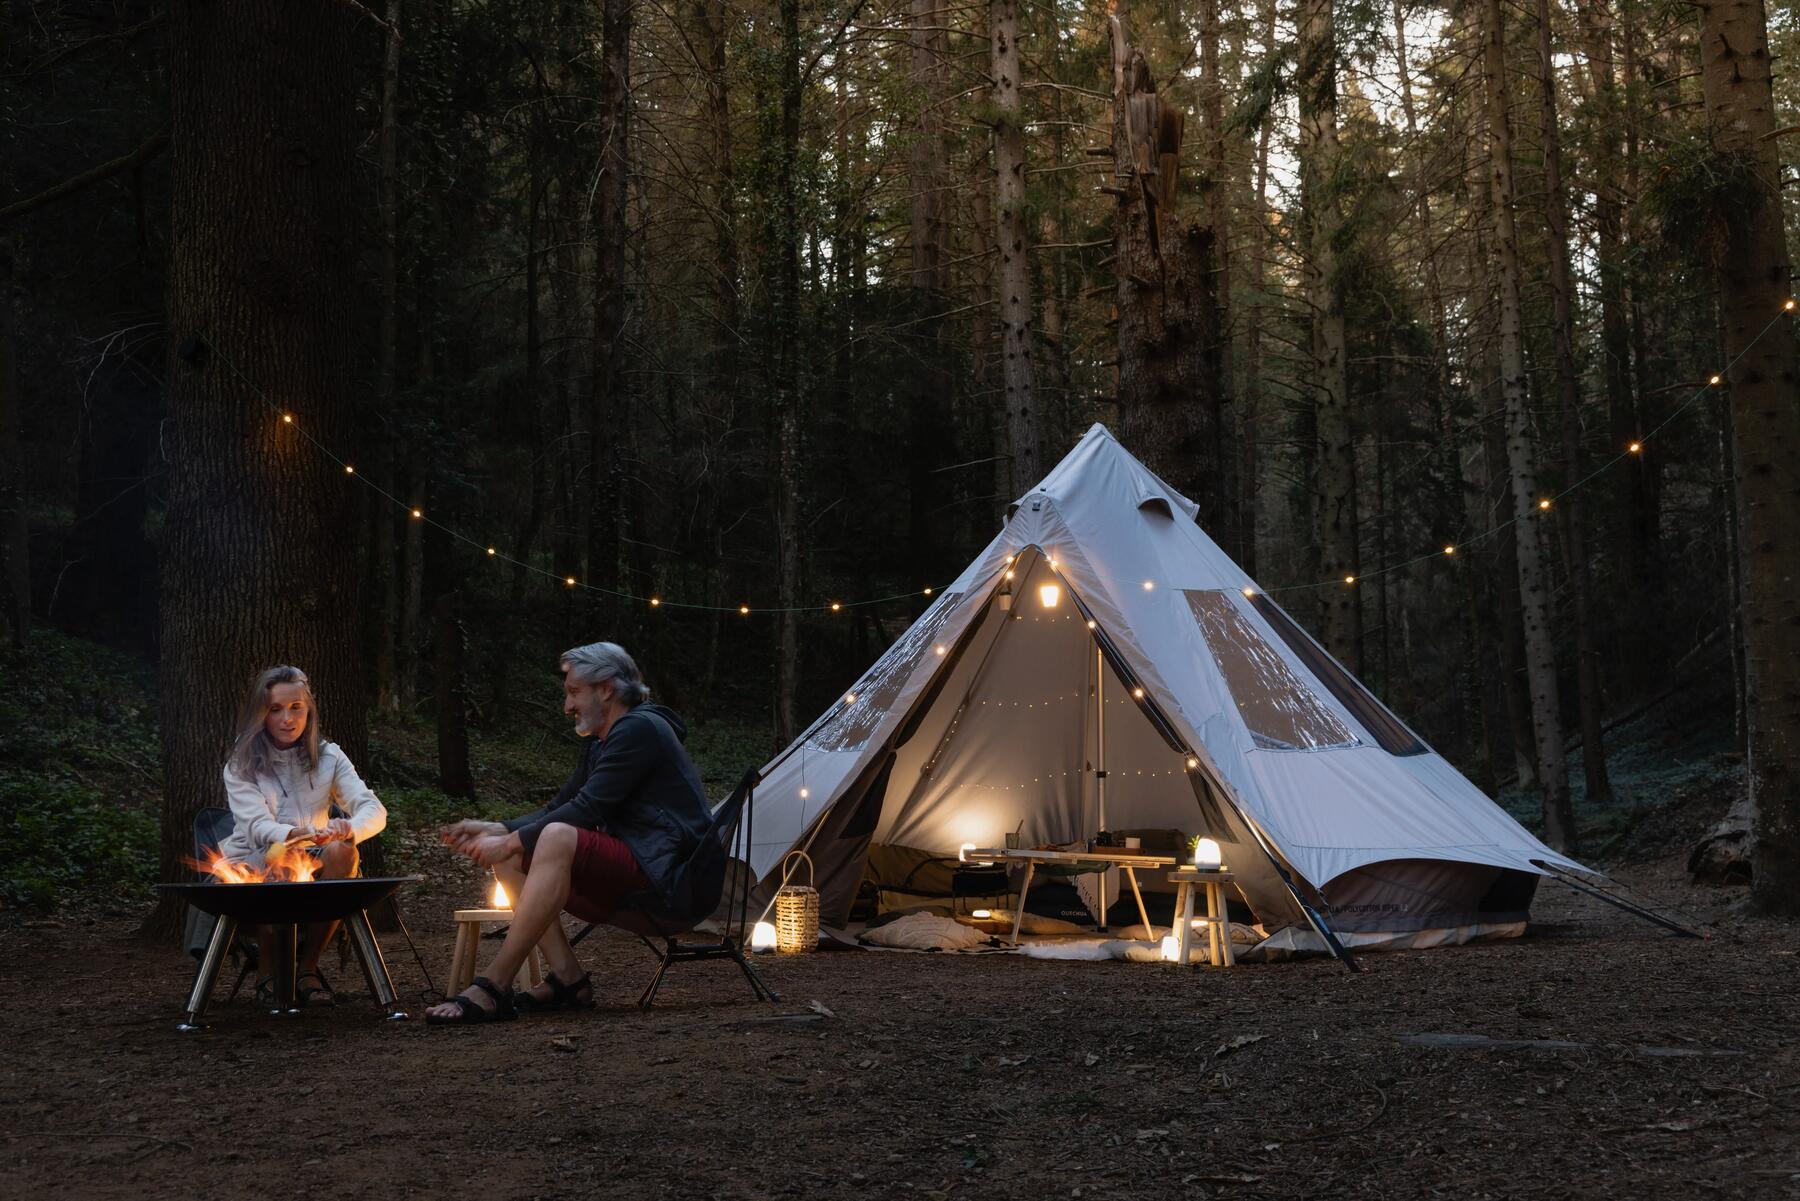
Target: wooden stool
<point>468,943</point>
<point>1218,924</point>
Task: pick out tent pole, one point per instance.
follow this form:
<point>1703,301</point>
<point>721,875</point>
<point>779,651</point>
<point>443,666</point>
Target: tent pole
<point>1100,758</point>
<point>1620,902</point>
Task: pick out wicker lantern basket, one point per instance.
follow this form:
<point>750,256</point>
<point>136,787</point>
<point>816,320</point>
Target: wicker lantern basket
<point>796,910</point>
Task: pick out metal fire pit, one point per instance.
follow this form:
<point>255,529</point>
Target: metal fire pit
<point>284,907</point>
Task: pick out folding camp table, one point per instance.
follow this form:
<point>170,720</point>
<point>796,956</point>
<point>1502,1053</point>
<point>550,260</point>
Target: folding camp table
<point>1079,861</point>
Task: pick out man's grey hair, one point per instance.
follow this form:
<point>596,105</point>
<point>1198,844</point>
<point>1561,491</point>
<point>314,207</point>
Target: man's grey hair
<point>599,662</point>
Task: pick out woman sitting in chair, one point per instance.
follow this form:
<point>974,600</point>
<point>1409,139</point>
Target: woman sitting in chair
<point>282,780</point>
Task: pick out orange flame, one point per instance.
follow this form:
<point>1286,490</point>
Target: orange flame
<point>284,864</point>
<point>501,900</point>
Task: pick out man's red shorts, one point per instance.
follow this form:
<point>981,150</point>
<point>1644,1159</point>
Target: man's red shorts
<point>602,873</point>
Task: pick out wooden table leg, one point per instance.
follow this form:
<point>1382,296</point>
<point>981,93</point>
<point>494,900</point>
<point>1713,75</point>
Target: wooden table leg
<point>1225,929</point>
<point>1131,874</point>
<point>1019,917</point>
<point>1212,923</point>
<point>1184,911</point>
<point>464,946</point>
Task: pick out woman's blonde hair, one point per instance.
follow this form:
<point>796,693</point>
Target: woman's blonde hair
<point>253,752</point>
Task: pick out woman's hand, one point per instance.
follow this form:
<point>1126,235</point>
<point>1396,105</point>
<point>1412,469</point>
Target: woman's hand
<point>338,829</point>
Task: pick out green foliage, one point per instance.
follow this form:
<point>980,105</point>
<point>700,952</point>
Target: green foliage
<point>79,771</point>
<point>1697,193</point>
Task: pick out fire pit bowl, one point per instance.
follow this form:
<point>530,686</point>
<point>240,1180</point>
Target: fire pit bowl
<point>284,903</point>
<point>283,907</point>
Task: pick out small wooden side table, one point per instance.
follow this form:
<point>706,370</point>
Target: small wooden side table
<point>468,945</point>
<point>1218,922</point>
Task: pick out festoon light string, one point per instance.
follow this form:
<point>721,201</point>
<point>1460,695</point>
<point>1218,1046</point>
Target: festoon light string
<point>1448,551</point>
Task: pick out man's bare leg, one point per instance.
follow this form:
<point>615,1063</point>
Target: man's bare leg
<point>559,954</point>
<point>537,908</point>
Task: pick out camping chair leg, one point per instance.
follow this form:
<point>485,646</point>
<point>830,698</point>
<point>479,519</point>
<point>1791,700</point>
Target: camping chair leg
<point>223,930</point>
<point>757,983</point>
<point>649,997</point>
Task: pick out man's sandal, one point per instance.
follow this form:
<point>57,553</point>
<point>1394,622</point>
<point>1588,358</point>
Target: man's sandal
<point>322,995</point>
<point>471,1013</point>
<point>562,996</point>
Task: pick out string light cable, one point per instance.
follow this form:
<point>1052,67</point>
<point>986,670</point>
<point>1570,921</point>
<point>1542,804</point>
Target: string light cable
<point>494,552</point>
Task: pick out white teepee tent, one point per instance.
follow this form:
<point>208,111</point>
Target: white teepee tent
<point>1103,664</point>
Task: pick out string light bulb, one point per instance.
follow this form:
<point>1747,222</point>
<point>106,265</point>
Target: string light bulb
<point>1634,448</point>
<point>805,792</point>
<point>349,470</point>
<point>941,652</point>
<point>287,418</point>
<point>569,580</point>
<point>836,607</point>
<point>849,698</point>
<point>1149,584</point>
<point>418,513</point>
<point>493,551</point>
<point>1713,380</point>
<point>1090,623</point>
<point>927,592</point>
<point>1137,694</point>
<point>1544,503</point>
<point>656,602</point>
<point>1349,579</point>
<point>1192,763</point>
<point>744,610</point>
<point>1787,305</point>
<point>1248,592</point>
<point>1449,549</point>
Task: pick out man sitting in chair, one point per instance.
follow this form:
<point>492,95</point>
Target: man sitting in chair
<point>624,822</point>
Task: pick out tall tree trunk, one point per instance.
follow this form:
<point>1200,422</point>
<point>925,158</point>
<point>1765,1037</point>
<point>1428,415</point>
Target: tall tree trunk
<point>262,245</point>
<point>1568,395</point>
<point>1334,496</point>
<point>15,541</point>
<point>1250,407</point>
<point>608,412</point>
<point>1529,529</point>
<point>1219,393</point>
<point>1754,283</point>
<point>387,614</point>
<point>454,776</point>
<point>789,401</point>
<point>1168,343</point>
<point>932,387</point>
<point>1012,238</point>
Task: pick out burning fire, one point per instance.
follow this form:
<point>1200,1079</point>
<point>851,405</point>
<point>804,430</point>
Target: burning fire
<point>284,865</point>
<point>500,899</point>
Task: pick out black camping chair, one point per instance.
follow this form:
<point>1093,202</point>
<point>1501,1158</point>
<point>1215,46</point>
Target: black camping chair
<point>640,913</point>
<point>212,826</point>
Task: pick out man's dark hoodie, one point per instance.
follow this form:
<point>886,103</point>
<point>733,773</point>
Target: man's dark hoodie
<point>638,785</point>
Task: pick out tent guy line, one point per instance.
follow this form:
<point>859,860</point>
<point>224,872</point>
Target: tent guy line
<point>656,601</point>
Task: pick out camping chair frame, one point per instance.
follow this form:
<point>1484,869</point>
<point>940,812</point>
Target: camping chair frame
<point>734,817</point>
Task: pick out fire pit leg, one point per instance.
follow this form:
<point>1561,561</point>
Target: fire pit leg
<point>368,953</point>
<point>223,930</point>
<point>284,937</point>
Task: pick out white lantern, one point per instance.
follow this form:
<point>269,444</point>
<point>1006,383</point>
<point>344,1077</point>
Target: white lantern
<point>1171,949</point>
<point>962,852</point>
<point>762,937</point>
<point>982,915</point>
<point>1049,595</point>
<point>1206,855</point>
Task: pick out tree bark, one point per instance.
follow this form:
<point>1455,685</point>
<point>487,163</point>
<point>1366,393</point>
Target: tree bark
<point>387,614</point>
<point>789,400</point>
<point>1568,395</point>
<point>454,776</point>
<point>15,531</point>
<point>925,277</point>
<point>1753,273</point>
<point>608,413</point>
<point>262,249</point>
<point>1012,276</point>
<point>1168,343</point>
<point>1334,495</point>
<point>1528,528</point>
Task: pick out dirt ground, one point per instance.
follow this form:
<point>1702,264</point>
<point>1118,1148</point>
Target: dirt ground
<point>936,1077</point>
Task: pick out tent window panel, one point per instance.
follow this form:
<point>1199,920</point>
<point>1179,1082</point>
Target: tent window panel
<point>856,721</point>
<point>1375,717</point>
<point>1281,711</point>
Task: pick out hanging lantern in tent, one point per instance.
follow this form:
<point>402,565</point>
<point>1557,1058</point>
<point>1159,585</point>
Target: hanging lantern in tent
<point>797,911</point>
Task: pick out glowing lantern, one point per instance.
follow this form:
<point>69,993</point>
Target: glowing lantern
<point>762,937</point>
<point>1206,855</point>
<point>1049,595</point>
